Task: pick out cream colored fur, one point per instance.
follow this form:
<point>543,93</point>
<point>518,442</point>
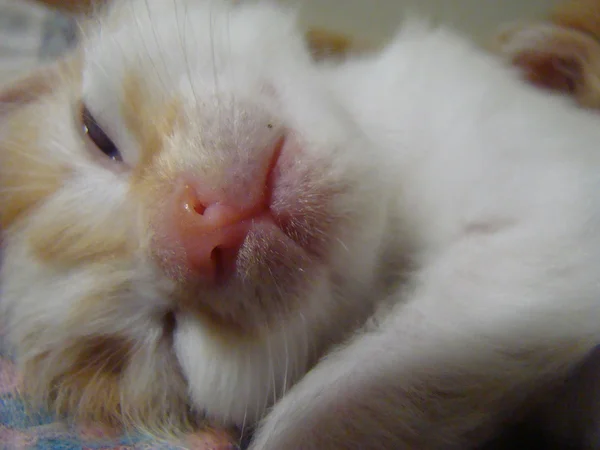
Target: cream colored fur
<point>455,274</point>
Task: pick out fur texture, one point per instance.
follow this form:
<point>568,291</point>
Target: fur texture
<point>431,269</point>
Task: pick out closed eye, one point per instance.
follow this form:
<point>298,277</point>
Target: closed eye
<point>98,137</point>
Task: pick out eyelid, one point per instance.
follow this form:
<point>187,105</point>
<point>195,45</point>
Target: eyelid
<point>98,136</point>
<point>99,144</point>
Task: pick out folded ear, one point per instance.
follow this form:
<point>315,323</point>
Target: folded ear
<point>555,57</point>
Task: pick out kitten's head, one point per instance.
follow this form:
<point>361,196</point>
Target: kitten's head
<point>561,53</point>
<point>185,162</point>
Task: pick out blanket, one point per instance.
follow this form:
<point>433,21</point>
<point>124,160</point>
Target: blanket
<point>24,429</point>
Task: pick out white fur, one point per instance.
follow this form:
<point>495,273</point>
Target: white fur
<point>486,189</point>
<point>498,185</point>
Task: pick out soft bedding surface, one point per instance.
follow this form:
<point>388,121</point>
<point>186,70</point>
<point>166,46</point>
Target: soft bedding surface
<point>21,428</point>
<point>30,35</point>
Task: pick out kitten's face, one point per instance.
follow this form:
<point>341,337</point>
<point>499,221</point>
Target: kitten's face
<point>188,163</point>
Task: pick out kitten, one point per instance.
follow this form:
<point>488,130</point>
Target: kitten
<point>399,250</point>
<point>561,53</point>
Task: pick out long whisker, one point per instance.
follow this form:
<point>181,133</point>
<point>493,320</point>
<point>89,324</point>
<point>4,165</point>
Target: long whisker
<point>144,43</point>
<point>232,73</point>
<point>183,43</point>
<point>214,63</point>
<point>272,379</point>
<point>248,388</point>
<point>24,152</point>
<point>287,360</point>
<point>161,52</point>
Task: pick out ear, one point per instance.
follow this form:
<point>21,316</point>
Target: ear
<point>325,44</point>
<point>555,57</point>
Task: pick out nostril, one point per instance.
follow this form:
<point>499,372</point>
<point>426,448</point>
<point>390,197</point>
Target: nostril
<point>211,226</point>
<point>190,200</point>
<point>199,208</point>
<point>216,257</point>
<point>224,261</point>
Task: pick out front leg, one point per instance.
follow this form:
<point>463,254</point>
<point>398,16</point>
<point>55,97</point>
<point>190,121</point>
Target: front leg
<point>480,332</point>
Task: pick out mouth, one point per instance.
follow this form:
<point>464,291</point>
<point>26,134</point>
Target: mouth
<point>296,207</point>
<point>272,172</point>
<point>292,227</point>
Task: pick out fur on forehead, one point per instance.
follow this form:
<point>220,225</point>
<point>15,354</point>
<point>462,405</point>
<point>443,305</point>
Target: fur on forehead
<point>210,42</point>
<point>216,48</point>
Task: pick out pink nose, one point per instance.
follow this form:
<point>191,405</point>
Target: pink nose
<point>212,231</point>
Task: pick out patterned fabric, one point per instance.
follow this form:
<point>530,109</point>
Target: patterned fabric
<point>29,430</point>
<point>24,429</point>
<point>31,35</point>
